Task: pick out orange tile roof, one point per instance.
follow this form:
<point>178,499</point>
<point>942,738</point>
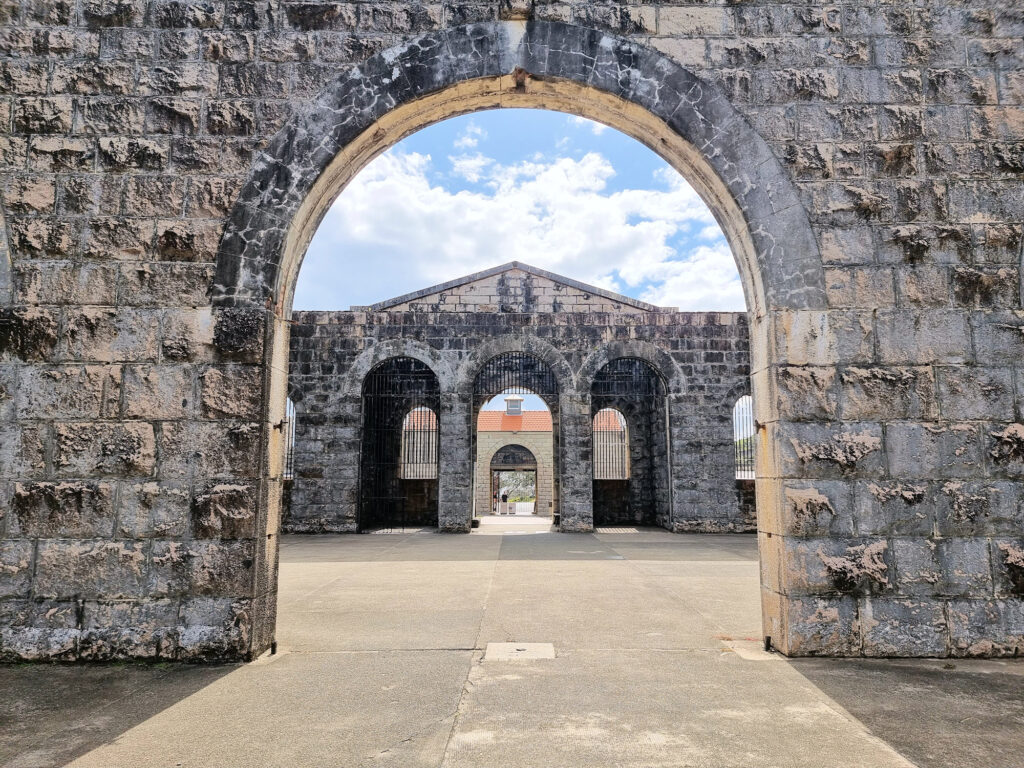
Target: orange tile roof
<point>607,420</point>
<point>499,421</point>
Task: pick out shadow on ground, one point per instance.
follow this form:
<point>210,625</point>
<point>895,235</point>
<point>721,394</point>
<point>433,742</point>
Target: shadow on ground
<point>52,713</point>
<point>936,713</point>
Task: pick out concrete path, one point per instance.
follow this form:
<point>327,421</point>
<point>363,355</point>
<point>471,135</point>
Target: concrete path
<point>383,661</point>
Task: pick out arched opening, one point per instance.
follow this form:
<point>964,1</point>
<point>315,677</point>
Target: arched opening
<point>514,483</point>
<point>744,435</point>
<point>515,402</point>
<point>630,445</point>
<point>398,460</point>
<point>534,64</point>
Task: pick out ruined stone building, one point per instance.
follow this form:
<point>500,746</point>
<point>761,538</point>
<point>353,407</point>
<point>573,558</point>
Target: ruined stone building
<point>166,162</point>
<point>419,369</point>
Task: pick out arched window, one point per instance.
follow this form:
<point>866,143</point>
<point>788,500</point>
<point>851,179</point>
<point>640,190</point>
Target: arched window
<point>743,437</point>
<point>419,445</point>
<point>289,440</point>
<point>611,445</point>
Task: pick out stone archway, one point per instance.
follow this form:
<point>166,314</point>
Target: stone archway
<point>515,64</point>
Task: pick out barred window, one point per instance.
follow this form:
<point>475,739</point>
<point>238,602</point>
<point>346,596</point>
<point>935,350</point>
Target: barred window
<point>611,445</point>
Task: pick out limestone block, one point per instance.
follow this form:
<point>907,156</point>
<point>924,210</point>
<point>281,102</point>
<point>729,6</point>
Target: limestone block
<point>888,508</point>
<point>34,238</point>
<point>30,194</point>
<point>118,238</point>
<point>933,450</point>
<point>23,450</point>
<point>173,116</point>
<point>943,567</point>
<point>125,154</point>
<point>122,630</point>
<point>90,569</point>
<point>824,338</point>
<point>61,283</point>
<point>15,568</point>
<point>238,335</point>
<point>983,627</point>
<point>102,449</point>
<point>999,335</point>
<point>933,336</point>
<point>220,568</point>
<point>819,626</point>
<point>860,287</point>
<point>27,333</point>
<point>231,118</point>
<point>231,392</point>
<point>99,117</point>
<point>225,511</point>
<point>152,195</point>
<point>113,13</point>
<point>901,627</point>
<point>837,566</point>
<point>978,507</point>
<point>153,509</point>
<point>1004,446</point>
<point>62,510</point>
<point>165,284</point>
<point>180,79</point>
<point>921,285</point>
<point>891,392</point>
<point>808,392</point>
<point>47,114</point>
<point>1008,567</point>
<point>70,392</point>
<point>209,449</point>
<point>187,240</point>
<point>38,643</point>
<point>104,334</point>
<point>831,451</point>
<point>817,508</point>
<point>159,392</point>
<point>187,335</point>
<point>976,393</point>
<point>93,77</point>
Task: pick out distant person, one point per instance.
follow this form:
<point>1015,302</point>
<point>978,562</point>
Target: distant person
<point>504,498</point>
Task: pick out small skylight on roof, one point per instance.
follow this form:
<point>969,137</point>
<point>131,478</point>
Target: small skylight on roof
<point>513,405</point>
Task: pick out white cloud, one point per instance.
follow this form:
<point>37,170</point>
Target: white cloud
<point>393,231</point>
<point>595,127</point>
<point>469,167</point>
<point>470,136</point>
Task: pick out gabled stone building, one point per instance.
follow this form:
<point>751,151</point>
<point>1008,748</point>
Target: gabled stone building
<point>674,376</point>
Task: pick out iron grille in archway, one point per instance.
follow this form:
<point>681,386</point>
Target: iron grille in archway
<point>398,463</point>
<point>631,392</point>
<point>515,373</point>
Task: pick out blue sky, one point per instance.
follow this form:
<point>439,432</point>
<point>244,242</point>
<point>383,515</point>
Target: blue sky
<point>552,190</point>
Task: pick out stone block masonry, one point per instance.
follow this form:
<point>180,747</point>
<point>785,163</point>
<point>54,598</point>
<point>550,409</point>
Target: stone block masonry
<point>162,163</point>
<point>576,329</point>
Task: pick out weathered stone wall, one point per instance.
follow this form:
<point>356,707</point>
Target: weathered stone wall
<point>704,358</point>
<point>540,444</point>
<point>865,158</point>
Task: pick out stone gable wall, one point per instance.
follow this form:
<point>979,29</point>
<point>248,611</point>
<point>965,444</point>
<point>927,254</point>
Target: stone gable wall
<point>513,291</point>
<point>137,505</point>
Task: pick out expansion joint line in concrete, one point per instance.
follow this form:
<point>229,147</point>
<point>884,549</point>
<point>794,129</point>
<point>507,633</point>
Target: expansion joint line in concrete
<point>474,660</point>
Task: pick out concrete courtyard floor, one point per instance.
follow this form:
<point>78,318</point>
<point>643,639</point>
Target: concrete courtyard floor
<point>383,661</point>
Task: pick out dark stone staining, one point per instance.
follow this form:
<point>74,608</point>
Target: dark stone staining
<point>861,570</point>
<point>224,511</point>
<point>1013,562</point>
<point>27,334</point>
<point>238,334</point>
<point>54,510</point>
<point>1008,445</point>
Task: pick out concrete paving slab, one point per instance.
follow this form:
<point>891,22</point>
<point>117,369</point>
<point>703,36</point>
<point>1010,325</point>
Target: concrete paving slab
<point>654,708</point>
<point>384,709</point>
